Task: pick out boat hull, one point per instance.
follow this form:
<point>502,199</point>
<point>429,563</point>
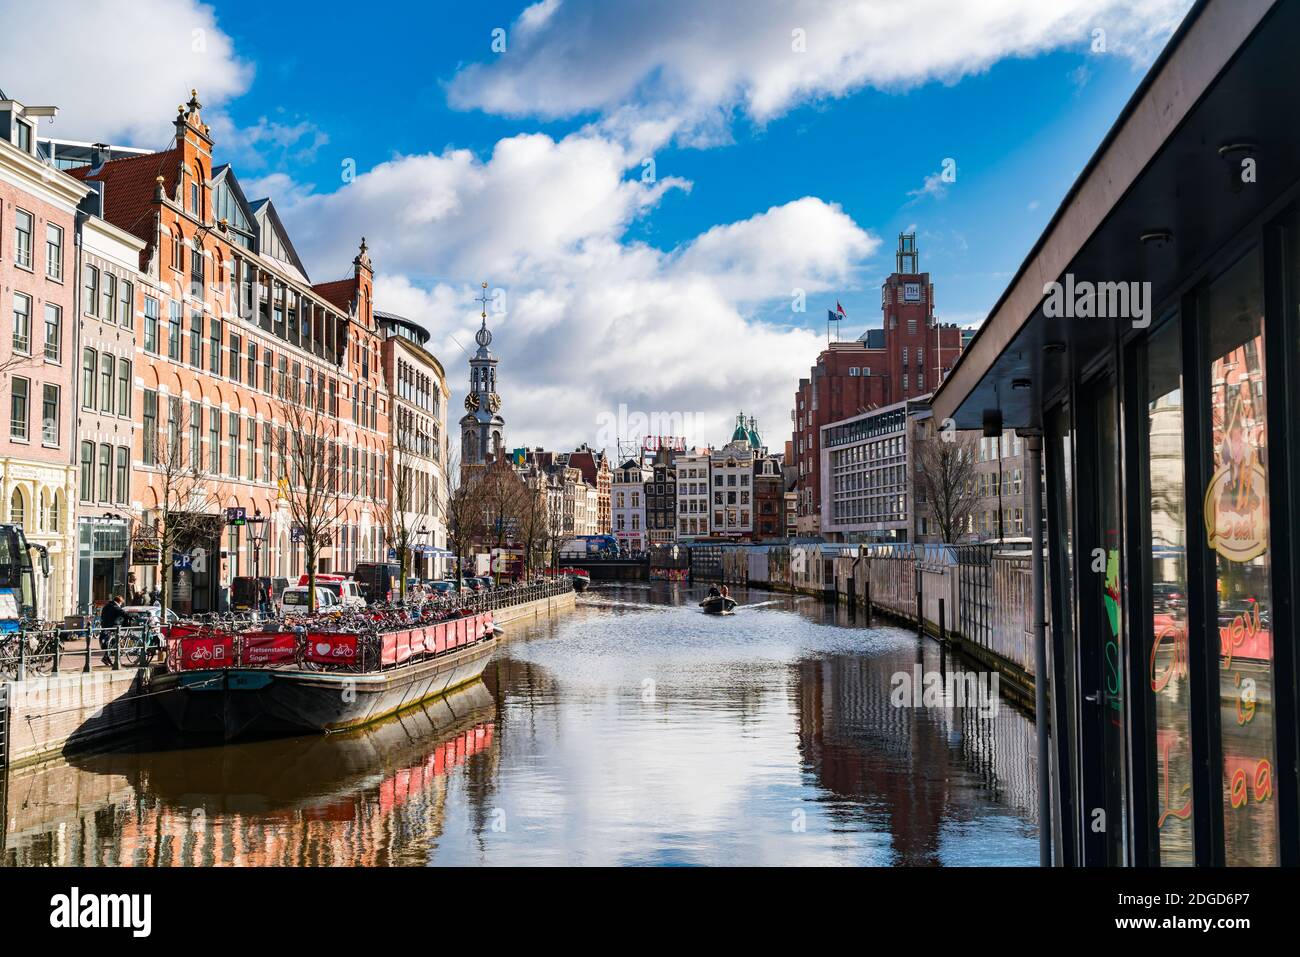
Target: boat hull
<point>236,703</point>
<point>581,584</point>
<point>718,605</point>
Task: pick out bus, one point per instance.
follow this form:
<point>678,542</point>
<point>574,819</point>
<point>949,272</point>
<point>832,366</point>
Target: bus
<point>18,577</point>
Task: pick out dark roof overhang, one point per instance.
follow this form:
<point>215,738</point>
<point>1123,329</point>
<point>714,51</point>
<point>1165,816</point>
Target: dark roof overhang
<point>1228,76</point>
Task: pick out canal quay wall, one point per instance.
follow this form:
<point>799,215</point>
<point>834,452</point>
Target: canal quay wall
<point>527,611</point>
<point>976,599</point>
<point>42,717</point>
<point>52,714</point>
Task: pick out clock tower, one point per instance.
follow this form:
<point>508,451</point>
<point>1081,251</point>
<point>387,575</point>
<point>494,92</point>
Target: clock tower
<point>482,429</point>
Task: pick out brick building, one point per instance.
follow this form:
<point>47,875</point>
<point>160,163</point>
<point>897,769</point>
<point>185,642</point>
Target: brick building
<point>237,338</point>
<point>905,358</point>
<point>596,472</point>
<point>661,498</point>
<point>38,283</point>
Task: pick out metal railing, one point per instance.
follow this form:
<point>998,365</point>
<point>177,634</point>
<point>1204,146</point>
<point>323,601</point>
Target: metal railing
<point>41,650</point>
<point>36,650</point>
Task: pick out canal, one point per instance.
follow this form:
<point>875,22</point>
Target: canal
<point>635,730</point>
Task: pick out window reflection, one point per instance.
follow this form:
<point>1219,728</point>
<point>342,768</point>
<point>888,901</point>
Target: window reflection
<point>1236,524</point>
<point>1170,745</point>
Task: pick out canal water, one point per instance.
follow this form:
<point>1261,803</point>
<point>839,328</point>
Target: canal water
<point>635,730</point>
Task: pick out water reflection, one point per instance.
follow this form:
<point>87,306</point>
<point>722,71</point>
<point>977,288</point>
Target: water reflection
<point>634,731</point>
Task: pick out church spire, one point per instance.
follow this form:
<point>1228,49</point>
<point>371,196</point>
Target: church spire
<point>482,428</point>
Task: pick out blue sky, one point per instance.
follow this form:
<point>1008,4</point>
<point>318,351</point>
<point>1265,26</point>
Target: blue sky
<point>791,141</point>
<point>1020,133</point>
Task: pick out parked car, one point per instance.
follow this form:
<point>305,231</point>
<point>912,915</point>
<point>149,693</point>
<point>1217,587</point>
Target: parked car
<point>443,587</point>
<point>471,584</point>
<point>486,581</point>
<point>346,591</point>
<point>294,599</point>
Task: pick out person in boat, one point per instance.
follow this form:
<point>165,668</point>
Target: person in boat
<point>713,592</point>
<point>725,592</point>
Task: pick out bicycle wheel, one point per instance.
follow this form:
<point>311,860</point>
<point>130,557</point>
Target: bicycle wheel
<point>45,655</point>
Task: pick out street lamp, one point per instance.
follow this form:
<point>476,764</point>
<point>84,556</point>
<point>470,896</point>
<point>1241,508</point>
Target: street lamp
<point>258,528</point>
<point>422,534</point>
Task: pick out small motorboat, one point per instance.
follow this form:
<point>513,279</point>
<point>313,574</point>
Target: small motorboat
<point>719,605</point>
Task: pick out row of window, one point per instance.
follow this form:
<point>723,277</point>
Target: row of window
<point>20,401</point>
<point>107,297</point>
<point>284,379</point>
<point>25,243</point>
<point>280,309</point>
<point>416,387</point>
<point>114,474</point>
<point>50,517</point>
<point>51,334</point>
<point>326,465</point>
<point>97,383</point>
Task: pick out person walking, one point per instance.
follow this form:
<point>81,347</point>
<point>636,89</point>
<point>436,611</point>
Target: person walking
<point>110,620</point>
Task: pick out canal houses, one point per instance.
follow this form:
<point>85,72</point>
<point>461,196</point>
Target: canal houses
<point>694,495</point>
<point>238,353</point>
<point>1149,348</point>
<point>732,480</point>
<point>113,291</point>
<point>627,497</point>
<point>38,278</point>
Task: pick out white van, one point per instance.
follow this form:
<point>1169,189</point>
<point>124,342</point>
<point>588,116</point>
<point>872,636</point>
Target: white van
<point>346,593</point>
<point>294,600</point>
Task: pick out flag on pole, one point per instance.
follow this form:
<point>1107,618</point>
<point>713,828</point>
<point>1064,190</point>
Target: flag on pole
<point>840,310</point>
<point>831,317</point>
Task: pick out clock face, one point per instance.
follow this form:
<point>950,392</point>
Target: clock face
<point>494,402</point>
<point>471,402</point>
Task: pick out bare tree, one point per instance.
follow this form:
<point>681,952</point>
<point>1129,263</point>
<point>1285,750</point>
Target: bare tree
<point>946,474</point>
<point>313,472</point>
<point>503,497</point>
<point>404,508</point>
<point>176,455</point>
<point>532,530</point>
<point>461,510</point>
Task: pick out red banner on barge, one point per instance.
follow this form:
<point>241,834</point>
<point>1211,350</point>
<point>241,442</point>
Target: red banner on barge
<point>265,683</point>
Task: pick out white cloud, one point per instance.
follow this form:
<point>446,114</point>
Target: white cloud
<point>933,186</point>
<point>689,66</point>
<point>117,69</point>
<point>593,320</point>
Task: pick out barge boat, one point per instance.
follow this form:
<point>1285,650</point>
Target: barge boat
<point>272,684</point>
